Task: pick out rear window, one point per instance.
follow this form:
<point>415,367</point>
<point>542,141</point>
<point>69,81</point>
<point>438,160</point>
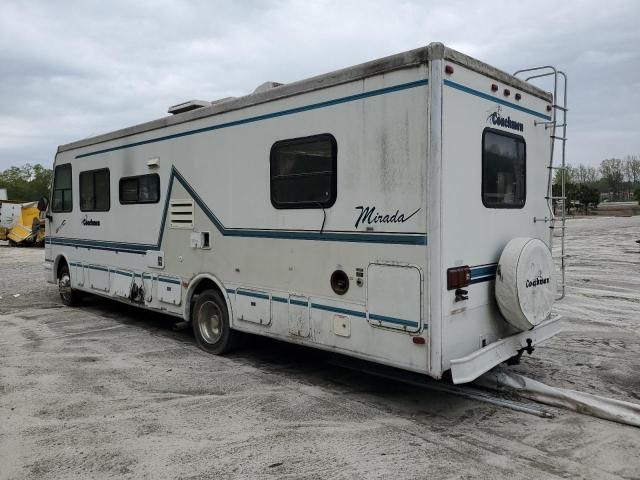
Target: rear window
<point>503,170</point>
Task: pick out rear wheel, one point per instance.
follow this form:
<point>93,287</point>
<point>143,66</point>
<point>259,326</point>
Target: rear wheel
<point>210,320</point>
<point>68,295</point>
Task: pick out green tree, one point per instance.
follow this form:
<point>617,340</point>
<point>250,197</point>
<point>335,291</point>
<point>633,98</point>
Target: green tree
<point>612,173</point>
<point>587,196</point>
<point>26,183</point>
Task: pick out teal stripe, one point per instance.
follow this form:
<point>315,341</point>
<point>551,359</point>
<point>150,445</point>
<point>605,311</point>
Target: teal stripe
<point>344,311</point>
<point>124,274</point>
<point>100,269</point>
<point>101,245</point>
<point>173,280</point>
<point>329,308</point>
<point>492,98</point>
<point>483,270</point>
<point>252,294</point>
<point>258,118</point>
<point>119,272</point>
<point>398,321</point>
<point>483,273</point>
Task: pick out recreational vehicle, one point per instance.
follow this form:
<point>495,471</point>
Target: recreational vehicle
<point>397,211</point>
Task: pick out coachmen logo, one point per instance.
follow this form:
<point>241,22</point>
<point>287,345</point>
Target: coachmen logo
<point>89,222</point>
<point>539,280</point>
<point>495,118</point>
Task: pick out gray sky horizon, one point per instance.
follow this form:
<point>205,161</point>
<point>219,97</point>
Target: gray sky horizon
<point>74,69</point>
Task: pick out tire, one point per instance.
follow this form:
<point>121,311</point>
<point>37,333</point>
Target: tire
<point>68,295</point>
<point>210,320</point>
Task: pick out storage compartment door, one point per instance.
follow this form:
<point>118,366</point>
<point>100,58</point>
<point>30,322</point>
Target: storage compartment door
<point>98,277</point>
<point>169,290</point>
<point>77,274</point>
<point>394,296</point>
<point>299,323</point>
<point>253,306</point>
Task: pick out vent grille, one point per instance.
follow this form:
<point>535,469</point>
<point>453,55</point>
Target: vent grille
<point>181,214</point>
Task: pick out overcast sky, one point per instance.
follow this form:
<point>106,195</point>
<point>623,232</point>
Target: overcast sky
<point>69,70</point>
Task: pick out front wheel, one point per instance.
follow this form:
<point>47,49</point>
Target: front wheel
<point>68,295</point>
<point>210,320</point>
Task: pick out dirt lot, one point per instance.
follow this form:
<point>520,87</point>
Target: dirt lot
<point>107,391</point>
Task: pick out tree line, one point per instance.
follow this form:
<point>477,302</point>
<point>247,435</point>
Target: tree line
<point>26,183</point>
<point>614,180</point>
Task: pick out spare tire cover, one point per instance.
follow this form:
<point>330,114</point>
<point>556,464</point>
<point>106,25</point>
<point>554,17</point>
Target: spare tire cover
<point>525,284</point>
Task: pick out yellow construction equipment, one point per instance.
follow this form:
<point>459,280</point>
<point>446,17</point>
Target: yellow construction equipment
<point>20,223</point>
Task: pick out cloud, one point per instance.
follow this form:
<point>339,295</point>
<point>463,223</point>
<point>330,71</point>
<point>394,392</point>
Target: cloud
<point>75,69</point>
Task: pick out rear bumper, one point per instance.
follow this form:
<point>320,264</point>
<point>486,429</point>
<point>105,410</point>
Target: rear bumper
<point>470,367</point>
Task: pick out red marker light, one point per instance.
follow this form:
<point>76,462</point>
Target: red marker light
<point>448,69</point>
<point>458,277</point>
<point>548,108</point>
<point>494,87</point>
<point>507,92</point>
<point>518,96</point>
<point>419,340</point>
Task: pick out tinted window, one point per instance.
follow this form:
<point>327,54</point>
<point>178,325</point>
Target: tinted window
<point>94,191</point>
<point>62,199</point>
<point>140,189</point>
<point>303,172</point>
<point>503,170</point>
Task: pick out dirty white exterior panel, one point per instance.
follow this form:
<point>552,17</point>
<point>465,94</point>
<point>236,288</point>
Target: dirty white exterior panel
<point>408,158</point>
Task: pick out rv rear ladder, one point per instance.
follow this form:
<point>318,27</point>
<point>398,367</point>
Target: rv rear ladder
<point>558,126</point>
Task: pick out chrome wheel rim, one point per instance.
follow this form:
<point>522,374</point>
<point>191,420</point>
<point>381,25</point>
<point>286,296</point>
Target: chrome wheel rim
<point>210,322</point>
<point>64,286</point>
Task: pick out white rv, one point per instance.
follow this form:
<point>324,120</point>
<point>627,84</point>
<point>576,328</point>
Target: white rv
<point>396,211</point>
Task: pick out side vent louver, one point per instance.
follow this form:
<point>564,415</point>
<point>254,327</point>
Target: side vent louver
<point>181,214</point>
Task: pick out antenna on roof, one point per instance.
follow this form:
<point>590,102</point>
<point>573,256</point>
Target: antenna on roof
<point>188,106</point>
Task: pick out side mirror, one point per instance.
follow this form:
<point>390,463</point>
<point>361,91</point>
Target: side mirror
<point>43,203</point>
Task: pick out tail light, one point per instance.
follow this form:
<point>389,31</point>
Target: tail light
<point>458,277</point>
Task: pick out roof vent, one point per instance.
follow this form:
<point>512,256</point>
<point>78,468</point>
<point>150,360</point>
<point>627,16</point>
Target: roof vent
<point>266,86</point>
<point>188,106</point>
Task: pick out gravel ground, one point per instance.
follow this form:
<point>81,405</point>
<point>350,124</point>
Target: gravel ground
<point>108,391</point>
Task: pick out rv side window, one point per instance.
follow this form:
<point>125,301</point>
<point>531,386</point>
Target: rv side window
<point>140,189</point>
<point>62,199</point>
<point>504,178</point>
<point>94,191</point>
<point>303,172</point>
